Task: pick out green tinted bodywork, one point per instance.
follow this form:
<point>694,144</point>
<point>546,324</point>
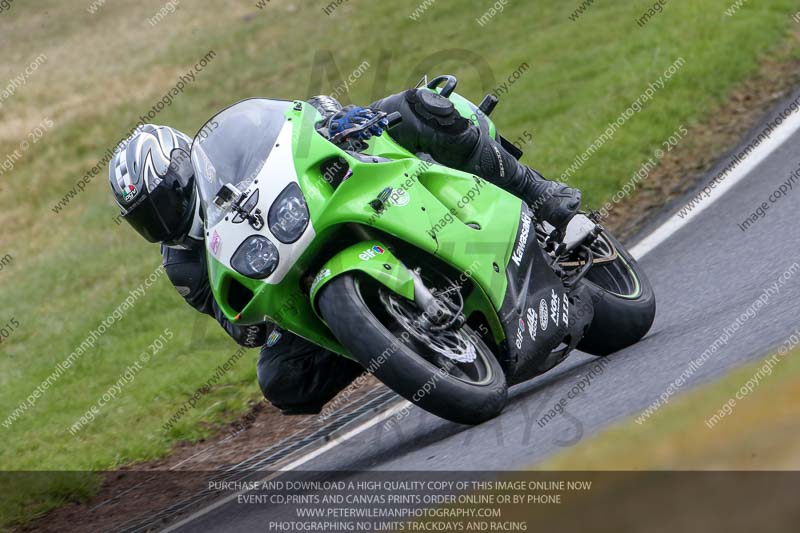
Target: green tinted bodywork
<point>373,259</point>
<point>463,220</point>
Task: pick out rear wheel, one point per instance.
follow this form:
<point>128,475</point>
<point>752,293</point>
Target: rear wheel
<point>449,372</point>
<point>623,299</point>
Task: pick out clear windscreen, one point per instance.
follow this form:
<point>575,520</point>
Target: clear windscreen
<point>232,148</point>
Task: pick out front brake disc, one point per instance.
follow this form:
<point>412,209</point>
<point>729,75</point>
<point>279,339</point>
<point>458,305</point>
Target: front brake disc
<point>453,345</point>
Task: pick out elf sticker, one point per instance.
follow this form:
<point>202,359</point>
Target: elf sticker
<point>520,330</point>
<point>375,251</point>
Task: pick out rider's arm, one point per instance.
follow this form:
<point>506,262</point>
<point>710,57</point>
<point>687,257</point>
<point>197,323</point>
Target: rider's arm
<point>187,271</point>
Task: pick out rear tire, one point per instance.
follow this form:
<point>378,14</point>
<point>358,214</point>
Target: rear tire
<point>394,362</point>
<point>621,317</point>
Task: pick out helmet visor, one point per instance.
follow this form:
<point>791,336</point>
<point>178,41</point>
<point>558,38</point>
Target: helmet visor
<point>167,212</point>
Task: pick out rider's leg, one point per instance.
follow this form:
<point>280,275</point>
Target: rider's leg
<point>298,377</point>
<point>431,124</point>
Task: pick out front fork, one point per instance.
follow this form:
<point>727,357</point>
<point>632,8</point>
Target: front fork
<point>436,314</point>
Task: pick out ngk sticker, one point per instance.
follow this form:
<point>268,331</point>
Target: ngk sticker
<point>555,302</point>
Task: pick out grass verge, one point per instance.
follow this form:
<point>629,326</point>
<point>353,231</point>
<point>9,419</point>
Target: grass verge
<point>718,426</point>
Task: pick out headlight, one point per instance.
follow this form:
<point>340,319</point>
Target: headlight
<point>256,258</point>
<point>288,216</point>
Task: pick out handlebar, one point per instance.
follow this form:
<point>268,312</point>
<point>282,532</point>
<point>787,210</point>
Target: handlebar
<point>449,86</point>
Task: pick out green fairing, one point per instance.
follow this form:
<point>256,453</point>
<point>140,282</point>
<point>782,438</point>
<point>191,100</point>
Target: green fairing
<point>372,258</point>
<point>435,201</point>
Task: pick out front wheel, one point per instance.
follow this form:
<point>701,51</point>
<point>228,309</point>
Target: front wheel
<point>450,373</point>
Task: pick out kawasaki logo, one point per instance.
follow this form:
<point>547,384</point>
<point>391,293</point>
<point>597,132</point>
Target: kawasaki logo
<point>519,251</point>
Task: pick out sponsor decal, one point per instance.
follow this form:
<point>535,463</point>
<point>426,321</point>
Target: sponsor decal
<point>543,314</point>
<point>324,273</point>
<point>399,198</point>
<point>555,306</point>
<point>519,250</point>
<point>130,192</point>
<point>216,242</point>
<point>565,308</point>
<point>273,338</point>
<point>520,337</point>
<point>375,251</point>
<point>532,323</point>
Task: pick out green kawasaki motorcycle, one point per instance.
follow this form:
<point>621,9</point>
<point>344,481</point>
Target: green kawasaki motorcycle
<point>440,284</point>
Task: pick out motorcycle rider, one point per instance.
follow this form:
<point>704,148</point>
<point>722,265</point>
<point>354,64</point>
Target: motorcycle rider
<point>152,180</point>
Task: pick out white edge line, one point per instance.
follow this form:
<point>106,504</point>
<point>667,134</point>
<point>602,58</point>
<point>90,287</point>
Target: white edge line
<point>296,463</point>
<point>780,135</point>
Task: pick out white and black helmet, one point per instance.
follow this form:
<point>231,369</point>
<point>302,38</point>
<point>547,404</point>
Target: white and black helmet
<point>153,183</point>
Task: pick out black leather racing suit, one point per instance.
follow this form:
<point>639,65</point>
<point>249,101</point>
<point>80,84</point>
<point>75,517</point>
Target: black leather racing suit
<point>299,377</point>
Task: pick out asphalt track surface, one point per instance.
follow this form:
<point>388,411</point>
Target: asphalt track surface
<point>706,275</point>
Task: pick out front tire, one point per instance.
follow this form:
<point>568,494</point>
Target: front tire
<point>403,364</point>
